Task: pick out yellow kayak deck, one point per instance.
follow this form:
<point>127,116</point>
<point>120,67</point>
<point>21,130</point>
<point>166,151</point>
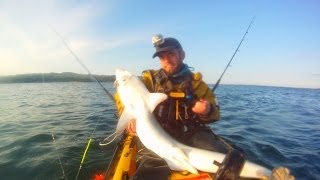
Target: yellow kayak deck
<point>123,165</point>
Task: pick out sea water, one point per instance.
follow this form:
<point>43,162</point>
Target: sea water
<point>45,128</point>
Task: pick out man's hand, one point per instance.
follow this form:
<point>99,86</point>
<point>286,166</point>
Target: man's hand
<point>131,128</point>
<point>202,107</point>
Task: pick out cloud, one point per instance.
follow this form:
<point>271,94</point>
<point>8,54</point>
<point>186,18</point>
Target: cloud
<point>27,44</point>
<point>26,40</point>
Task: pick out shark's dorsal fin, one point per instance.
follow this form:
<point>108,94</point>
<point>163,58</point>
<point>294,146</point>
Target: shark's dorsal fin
<point>154,99</point>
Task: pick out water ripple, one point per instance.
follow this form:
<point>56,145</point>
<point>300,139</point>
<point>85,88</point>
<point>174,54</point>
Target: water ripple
<point>274,126</point>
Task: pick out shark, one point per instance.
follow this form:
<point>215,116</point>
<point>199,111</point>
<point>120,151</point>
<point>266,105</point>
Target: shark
<point>139,104</point>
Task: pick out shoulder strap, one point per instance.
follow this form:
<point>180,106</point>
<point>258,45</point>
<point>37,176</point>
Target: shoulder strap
<point>148,77</point>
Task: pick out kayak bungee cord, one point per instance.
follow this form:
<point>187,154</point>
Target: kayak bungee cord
<point>53,139</point>
<point>235,52</point>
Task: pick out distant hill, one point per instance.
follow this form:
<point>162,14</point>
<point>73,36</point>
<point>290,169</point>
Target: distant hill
<point>54,77</point>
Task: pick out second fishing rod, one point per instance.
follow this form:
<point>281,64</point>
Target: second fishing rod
<point>235,52</point>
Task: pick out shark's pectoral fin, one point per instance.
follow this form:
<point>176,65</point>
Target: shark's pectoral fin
<point>154,99</point>
<point>123,121</point>
<point>172,165</point>
<point>179,162</point>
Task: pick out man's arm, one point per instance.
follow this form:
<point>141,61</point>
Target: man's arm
<point>207,100</point>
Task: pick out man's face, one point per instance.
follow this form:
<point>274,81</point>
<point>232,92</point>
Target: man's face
<point>171,61</point>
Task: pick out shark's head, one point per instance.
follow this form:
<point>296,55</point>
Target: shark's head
<point>122,76</point>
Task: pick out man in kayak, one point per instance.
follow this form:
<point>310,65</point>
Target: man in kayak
<point>190,106</point>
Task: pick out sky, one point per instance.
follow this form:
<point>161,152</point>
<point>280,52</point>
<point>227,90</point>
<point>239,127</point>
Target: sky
<point>282,47</point>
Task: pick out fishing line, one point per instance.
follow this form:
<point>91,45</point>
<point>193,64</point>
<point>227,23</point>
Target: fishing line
<point>105,90</point>
<point>235,52</point>
<point>87,147</point>
<point>79,61</point>
<point>102,143</point>
<point>53,138</point>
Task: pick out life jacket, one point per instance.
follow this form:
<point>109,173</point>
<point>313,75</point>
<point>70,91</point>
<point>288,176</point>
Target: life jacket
<point>174,114</point>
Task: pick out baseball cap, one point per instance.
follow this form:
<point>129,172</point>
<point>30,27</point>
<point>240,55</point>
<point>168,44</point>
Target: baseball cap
<point>164,44</point>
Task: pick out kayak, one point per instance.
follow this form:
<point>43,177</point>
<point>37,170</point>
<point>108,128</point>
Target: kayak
<point>123,165</point>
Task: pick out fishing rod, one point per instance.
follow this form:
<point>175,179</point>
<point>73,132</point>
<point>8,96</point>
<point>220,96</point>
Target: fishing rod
<point>92,77</point>
<point>79,61</point>
<point>235,52</point>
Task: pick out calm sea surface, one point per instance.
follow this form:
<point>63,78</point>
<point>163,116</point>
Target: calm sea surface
<point>44,128</point>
